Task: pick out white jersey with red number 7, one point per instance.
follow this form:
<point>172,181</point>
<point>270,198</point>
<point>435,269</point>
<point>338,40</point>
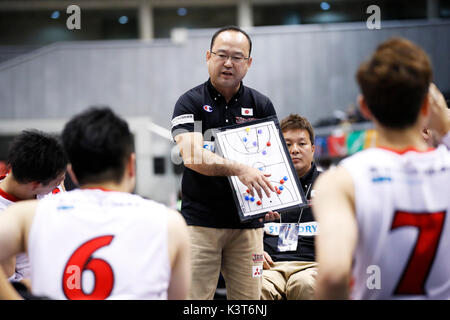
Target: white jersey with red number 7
<point>402,202</point>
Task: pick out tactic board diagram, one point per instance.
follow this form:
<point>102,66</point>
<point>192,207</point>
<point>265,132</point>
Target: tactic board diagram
<point>259,145</point>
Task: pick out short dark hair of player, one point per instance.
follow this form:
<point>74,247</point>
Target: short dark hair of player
<point>294,121</point>
<point>35,156</point>
<point>394,82</point>
<point>231,28</point>
<point>98,144</point>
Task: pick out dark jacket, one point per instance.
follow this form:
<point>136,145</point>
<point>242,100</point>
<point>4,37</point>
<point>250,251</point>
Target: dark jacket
<point>305,248</point>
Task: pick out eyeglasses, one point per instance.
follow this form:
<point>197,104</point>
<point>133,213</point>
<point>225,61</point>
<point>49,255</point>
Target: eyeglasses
<point>224,57</point>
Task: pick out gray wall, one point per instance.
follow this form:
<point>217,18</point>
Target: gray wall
<point>305,69</point>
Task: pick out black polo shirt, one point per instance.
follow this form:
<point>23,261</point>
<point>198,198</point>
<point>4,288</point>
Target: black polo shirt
<point>305,248</point>
<point>208,201</point>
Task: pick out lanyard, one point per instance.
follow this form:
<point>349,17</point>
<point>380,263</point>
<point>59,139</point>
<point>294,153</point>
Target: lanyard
<point>301,212</point>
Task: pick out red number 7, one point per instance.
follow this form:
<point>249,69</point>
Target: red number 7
<point>421,259</point>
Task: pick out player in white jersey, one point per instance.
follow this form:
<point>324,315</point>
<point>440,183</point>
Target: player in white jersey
<point>134,248</point>
<point>383,212</point>
<point>37,164</point>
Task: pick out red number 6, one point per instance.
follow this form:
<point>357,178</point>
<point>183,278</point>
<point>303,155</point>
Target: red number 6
<point>82,260</point>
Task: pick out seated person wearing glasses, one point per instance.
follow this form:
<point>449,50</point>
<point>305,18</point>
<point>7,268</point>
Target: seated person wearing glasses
<point>290,268</point>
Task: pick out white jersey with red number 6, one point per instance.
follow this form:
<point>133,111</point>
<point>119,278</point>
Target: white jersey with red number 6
<point>402,203</point>
<point>98,244</point>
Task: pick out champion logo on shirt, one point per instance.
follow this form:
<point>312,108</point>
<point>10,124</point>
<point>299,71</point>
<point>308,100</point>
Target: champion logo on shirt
<point>207,108</point>
<point>247,111</point>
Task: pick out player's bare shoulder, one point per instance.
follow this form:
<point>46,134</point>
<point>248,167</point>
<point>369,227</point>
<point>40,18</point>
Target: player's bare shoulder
<point>177,232</point>
<point>19,217</point>
<point>326,191</point>
<point>27,211</point>
<point>175,219</point>
<point>23,210</point>
<point>336,174</point>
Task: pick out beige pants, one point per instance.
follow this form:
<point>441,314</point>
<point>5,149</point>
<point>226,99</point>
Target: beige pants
<point>291,280</point>
<point>238,253</point>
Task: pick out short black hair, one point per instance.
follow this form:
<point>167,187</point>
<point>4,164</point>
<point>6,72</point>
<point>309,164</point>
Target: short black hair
<point>295,121</point>
<point>394,82</point>
<point>231,28</point>
<point>36,156</point>
<point>98,144</point>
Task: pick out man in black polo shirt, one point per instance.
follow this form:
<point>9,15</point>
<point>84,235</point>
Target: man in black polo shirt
<point>220,242</point>
<point>289,273</point>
